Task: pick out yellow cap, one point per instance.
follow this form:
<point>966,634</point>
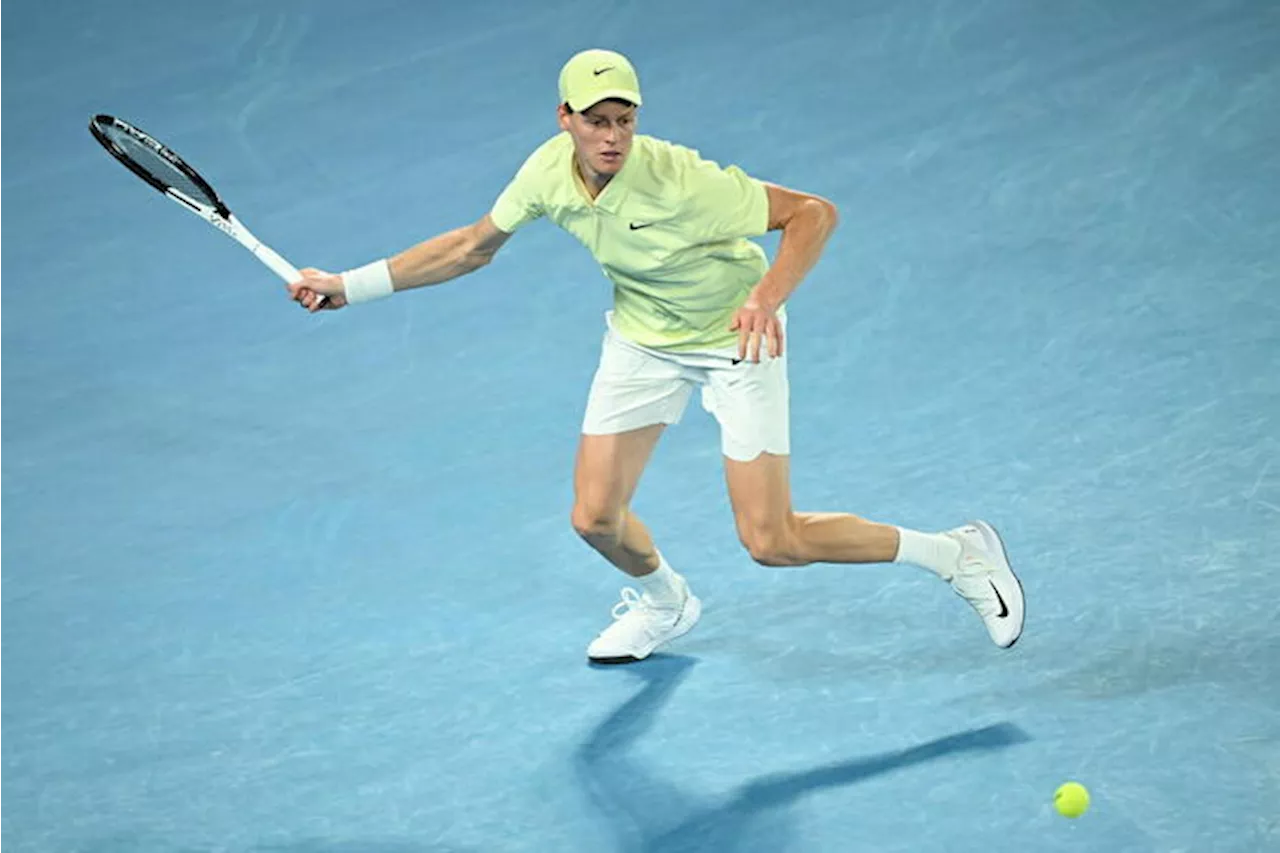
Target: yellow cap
<point>592,76</point>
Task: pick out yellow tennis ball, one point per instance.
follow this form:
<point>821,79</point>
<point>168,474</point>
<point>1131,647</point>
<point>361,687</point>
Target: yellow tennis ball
<point>1071,799</point>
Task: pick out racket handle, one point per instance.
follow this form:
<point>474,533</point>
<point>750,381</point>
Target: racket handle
<point>236,229</point>
<point>277,264</point>
<point>281,267</point>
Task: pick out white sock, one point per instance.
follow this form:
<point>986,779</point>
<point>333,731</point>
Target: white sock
<point>933,551</point>
<point>663,586</point>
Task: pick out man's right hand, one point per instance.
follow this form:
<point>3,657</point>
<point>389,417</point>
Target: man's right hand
<point>314,284</point>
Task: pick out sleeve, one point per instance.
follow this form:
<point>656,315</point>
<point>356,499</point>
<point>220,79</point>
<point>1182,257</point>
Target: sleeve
<point>724,203</point>
<point>520,203</point>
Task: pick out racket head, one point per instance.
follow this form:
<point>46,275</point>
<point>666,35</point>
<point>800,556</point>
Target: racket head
<point>153,161</point>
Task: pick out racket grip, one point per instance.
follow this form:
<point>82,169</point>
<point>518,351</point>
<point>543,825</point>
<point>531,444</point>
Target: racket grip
<point>234,228</point>
<point>282,268</point>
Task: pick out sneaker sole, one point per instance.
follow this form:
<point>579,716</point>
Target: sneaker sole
<point>688,618</point>
<point>992,537</point>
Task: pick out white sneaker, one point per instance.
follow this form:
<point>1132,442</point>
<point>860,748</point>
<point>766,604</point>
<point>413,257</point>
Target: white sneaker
<point>640,625</point>
<point>985,579</point>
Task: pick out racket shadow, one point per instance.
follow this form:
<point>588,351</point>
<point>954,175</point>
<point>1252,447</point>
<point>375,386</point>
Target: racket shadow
<point>648,813</point>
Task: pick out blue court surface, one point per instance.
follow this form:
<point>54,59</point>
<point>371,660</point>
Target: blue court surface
<point>275,583</point>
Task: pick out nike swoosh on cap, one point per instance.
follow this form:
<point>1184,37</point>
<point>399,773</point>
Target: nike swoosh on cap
<point>598,71</point>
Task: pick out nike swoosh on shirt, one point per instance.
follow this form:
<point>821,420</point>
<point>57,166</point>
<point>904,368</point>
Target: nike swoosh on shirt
<point>635,227</point>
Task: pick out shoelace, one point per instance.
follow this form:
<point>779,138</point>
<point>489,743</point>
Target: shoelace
<point>972,581</point>
<point>971,562</point>
<point>631,601</point>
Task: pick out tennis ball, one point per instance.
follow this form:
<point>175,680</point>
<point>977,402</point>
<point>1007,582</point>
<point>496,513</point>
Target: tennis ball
<point>1071,799</point>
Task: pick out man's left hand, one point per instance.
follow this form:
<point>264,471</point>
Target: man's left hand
<point>754,322</point>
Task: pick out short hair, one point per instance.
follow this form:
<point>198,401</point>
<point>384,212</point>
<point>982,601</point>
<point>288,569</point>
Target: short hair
<point>570,110</point>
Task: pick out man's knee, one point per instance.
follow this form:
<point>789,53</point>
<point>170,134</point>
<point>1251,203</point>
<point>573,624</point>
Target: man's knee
<point>770,544</point>
<point>596,522</point>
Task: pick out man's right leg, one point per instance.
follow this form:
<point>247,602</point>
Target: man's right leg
<point>605,477</point>
<point>635,394</point>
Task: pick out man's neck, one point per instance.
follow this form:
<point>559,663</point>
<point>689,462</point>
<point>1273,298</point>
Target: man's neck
<point>593,183</point>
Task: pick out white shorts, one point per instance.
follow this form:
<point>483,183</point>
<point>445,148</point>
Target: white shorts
<point>636,387</point>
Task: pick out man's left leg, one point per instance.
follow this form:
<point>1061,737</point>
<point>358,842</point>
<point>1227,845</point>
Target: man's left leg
<point>776,535</point>
<point>971,558</point>
<point>751,402</point>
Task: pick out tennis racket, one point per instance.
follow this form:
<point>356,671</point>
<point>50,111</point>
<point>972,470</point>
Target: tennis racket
<point>162,168</point>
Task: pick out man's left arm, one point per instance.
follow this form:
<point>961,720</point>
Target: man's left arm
<point>806,221</point>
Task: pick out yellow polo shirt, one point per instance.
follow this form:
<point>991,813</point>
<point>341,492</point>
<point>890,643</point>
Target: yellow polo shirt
<point>669,230</point>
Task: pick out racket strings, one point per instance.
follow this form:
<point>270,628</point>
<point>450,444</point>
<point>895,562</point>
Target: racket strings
<point>156,165</point>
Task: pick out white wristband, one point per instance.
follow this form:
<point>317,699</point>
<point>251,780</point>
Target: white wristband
<point>367,283</point>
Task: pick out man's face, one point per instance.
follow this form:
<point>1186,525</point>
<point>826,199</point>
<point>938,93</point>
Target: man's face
<point>602,136</point>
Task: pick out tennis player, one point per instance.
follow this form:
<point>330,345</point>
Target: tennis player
<point>697,305</point>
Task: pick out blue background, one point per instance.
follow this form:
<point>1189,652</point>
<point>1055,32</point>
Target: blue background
<point>298,584</point>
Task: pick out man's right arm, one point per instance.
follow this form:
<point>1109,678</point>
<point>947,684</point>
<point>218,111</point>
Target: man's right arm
<point>444,257</point>
<point>447,256</point>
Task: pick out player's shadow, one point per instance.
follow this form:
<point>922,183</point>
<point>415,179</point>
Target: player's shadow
<point>322,845</point>
<point>649,814</point>
<point>131,844</point>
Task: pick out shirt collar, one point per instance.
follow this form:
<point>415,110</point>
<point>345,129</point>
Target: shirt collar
<point>615,192</point>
